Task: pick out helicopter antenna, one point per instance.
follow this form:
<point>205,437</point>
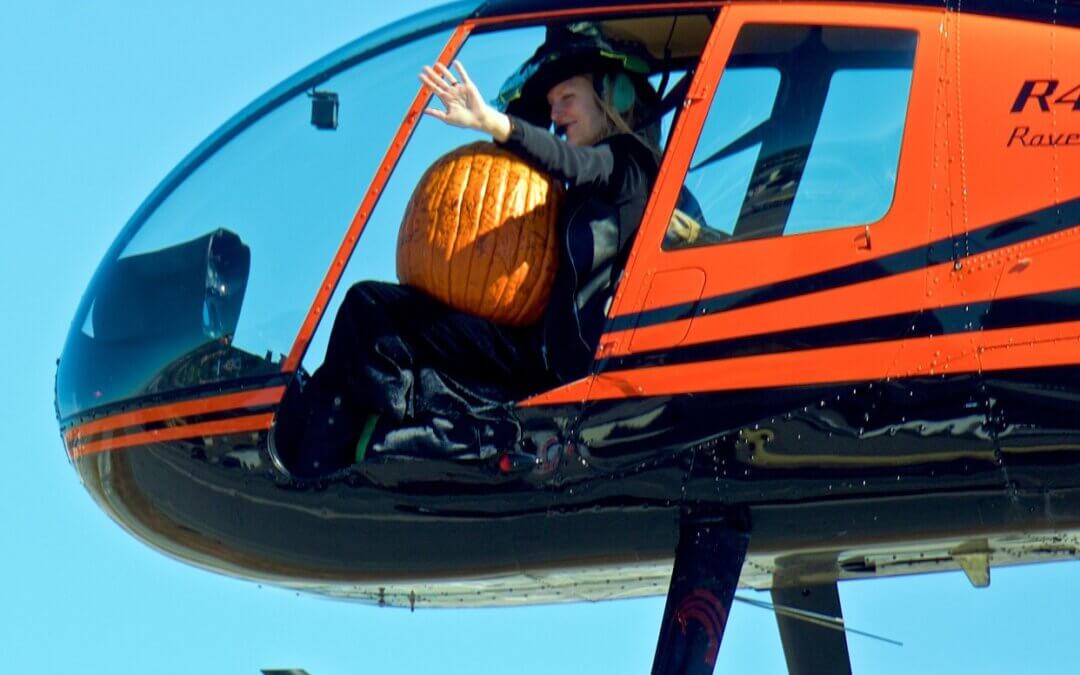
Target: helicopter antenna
<point>816,618</point>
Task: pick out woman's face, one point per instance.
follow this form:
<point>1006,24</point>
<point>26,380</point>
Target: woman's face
<point>575,112</point>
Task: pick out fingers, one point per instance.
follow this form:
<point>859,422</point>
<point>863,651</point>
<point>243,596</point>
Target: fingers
<point>436,113</point>
<point>458,96</point>
<point>445,72</point>
<point>430,78</point>
<point>442,81</point>
<point>464,73</point>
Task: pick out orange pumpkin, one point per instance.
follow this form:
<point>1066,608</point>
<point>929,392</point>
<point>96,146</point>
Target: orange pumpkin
<point>480,235</point>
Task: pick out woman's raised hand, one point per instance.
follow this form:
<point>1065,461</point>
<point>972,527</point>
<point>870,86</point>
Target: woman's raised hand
<point>465,107</point>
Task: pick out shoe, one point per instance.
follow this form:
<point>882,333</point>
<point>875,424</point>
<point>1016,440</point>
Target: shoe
<point>289,424</point>
<point>330,433</point>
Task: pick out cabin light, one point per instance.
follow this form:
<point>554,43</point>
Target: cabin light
<point>324,109</point>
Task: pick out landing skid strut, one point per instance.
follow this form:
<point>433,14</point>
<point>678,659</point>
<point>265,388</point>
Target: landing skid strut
<point>708,561</point>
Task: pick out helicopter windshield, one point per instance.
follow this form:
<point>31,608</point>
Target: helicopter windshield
<point>253,217</point>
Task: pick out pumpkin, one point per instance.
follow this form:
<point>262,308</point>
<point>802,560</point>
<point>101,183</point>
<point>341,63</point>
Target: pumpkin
<point>479,234</point>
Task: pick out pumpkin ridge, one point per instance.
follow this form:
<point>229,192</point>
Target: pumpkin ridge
<point>465,288</point>
<point>505,240</point>
<point>530,204</point>
<point>446,167</point>
<point>456,185</point>
<point>471,298</point>
<point>454,235</point>
<point>501,281</point>
<point>433,224</point>
<point>492,245</point>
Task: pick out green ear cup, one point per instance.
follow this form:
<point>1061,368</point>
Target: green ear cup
<point>620,91</point>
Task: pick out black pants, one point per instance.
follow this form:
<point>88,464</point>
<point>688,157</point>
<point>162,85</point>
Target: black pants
<point>399,353</point>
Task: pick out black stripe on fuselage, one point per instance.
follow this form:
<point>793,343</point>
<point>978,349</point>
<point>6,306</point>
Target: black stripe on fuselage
<point>1032,310</point>
<point>176,397</point>
<point>1058,12</point>
<point>999,235</point>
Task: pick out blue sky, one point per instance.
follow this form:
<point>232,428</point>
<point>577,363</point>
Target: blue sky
<point>100,101</point>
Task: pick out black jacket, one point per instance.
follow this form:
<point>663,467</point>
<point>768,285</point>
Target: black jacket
<point>608,185</point>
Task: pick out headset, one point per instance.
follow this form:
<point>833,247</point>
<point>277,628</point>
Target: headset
<point>620,91</point>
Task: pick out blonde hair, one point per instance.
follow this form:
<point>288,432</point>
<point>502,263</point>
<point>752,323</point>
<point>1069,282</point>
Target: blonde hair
<point>615,123</point>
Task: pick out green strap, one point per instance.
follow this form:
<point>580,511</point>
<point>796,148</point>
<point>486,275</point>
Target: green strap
<point>365,437</point>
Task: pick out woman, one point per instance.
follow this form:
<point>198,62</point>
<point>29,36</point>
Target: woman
<point>399,358</point>
<point>608,171</point>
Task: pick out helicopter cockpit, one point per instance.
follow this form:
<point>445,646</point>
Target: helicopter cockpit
<point>220,281</point>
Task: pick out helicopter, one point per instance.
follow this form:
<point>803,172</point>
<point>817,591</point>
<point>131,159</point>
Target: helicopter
<point>822,392</point>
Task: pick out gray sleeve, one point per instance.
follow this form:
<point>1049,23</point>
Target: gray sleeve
<point>575,165</point>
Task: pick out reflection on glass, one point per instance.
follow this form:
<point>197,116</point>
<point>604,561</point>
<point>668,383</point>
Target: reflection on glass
<point>858,147</point>
<point>743,101</point>
<point>489,58</point>
<point>255,225</point>
<point>290,191</point>
<point>804,132</point>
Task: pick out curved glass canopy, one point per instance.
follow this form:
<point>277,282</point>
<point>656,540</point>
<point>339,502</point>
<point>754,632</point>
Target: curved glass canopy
<point>252,217</point>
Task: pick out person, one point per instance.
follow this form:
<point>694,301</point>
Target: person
<point>435,380</point>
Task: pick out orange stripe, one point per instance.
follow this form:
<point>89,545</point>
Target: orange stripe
<point>1007,348</point>
<point>574,393</point>
<point>356,228</point>
<point>202,406</point>
<point>814,366</point>
<point>1032,347</point>
<point>1035,266</point>
<point>216,428</point>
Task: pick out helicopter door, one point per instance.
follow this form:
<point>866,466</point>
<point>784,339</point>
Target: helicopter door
<point>807,142</point>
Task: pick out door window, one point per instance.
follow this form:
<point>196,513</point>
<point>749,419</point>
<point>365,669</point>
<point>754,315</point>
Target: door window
<point>803,134</point>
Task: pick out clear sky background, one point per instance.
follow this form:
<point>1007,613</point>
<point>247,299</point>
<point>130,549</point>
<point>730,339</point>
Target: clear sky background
<point>98,101</point>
